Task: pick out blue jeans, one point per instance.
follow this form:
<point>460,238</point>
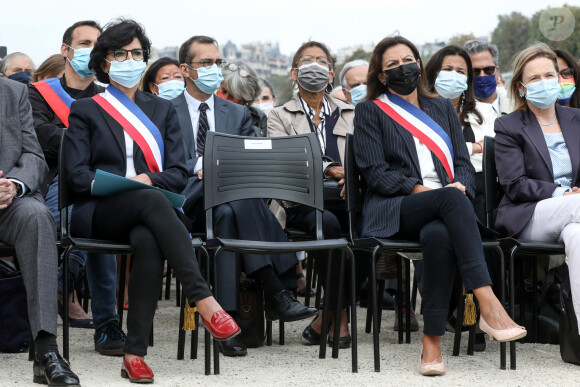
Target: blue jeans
<point>101,270</point>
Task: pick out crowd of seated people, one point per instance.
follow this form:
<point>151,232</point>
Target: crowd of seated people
<point>418,142</point>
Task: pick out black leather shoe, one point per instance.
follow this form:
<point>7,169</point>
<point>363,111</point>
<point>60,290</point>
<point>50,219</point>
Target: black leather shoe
<point>311,335</point>
<point>343,342</point>
<point>388,301</point>
<point>53,370</point>
<point>284,306</point>
<point>233,347</point>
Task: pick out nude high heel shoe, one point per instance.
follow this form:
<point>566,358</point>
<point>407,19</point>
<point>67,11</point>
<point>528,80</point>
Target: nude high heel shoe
<point>435,368</point>
<point>509,334</point>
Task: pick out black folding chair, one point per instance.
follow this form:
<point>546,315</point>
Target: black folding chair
<point>284,168</point>
<point>493,194</point>
<point>355,187</point>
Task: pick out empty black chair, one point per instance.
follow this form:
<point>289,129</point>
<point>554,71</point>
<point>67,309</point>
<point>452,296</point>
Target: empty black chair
<point>284,168</point>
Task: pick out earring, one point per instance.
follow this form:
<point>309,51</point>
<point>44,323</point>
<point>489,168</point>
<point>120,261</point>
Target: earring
<point>461,102</point>
<point>522,94</point>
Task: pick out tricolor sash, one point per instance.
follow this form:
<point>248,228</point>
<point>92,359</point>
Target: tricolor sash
<point>137,125</point>
<point>421,126</point>
<point>57,98</point>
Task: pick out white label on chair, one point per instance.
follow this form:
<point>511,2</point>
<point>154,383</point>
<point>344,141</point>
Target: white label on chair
<point>258,144</point>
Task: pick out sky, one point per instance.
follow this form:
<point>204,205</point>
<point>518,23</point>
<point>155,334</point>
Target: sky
<point>37,27</point>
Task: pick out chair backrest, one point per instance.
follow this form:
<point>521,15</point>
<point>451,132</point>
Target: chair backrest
<point>285,168</point>
<point>354,190</point>
<point>493,191</point>
<point>65,196</point>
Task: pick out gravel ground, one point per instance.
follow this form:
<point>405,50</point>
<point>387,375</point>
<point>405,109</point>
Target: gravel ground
<point>296,364</point>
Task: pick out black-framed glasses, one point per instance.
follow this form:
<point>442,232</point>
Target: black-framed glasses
<point>121,54</point>
<point>489,70</point>
<point>234,67</point>
<point>567,73</point>
<point>207,63</point>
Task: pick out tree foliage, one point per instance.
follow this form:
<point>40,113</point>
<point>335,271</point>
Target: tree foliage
<point>510,36</point>
<point>460,39</point>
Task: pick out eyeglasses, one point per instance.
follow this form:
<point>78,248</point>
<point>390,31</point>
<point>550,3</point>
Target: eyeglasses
<point>121,55</point>
<point>489,70</point>
<point>207,63</point>
<point>567,73</point>
<point>234,67</point>
<point>310,59</point>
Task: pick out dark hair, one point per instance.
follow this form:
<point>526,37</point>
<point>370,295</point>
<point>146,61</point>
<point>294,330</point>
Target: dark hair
<point>50,68</point>
<point>152,71</point>
<point>374,86</point>
<point>67,37</point>
<point>432,69</point>
<point>569,59</point>
<point>312,43</point>
<point>116,35</point>
<point>186,55</point>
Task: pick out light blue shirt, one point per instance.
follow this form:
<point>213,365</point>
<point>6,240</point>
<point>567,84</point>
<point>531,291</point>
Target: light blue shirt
<point>561,163</point>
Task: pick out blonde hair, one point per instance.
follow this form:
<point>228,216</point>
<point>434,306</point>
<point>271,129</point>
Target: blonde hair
<point>536,50</point>
<point>52,67</point>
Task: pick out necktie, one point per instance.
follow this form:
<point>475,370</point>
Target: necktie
<point>202,128</point>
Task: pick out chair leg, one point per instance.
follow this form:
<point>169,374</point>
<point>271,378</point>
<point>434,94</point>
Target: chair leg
<point>338,308</point>
<point>207,340</point>
<point>374,306</point>
<point>177,292</point>
<point>181,334</point>
<point>471,340</point>
<point>353,326</point>
<point>65,327</point>
<point>207,349</point>
<point>408,301</point>
<point>414,293</point>
<point>121,292</point>
<point>168,282</point>
<point>309,279</point>
<point>380,293</point>
<point>459,323</point>
<point>536,300</point>
<point>216,352</point>
<point>86,293</point>
<point>194,338</point>
<point>318,295</point>
<point>512,307</point>
<point>502,346</point>
<point>369,308</point>
<point>326,309</point>
<point>269,333</point>
<point>281,332</point>
<point>399,298</point>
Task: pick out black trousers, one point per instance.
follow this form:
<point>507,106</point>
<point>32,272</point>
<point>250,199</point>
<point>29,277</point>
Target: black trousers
<point>147,220</point>
<point>444,222</point>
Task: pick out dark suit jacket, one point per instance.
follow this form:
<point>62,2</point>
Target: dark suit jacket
<point>49,128</point>
<point>524,166</point>
<point>229,118</point>
<point>387,157</point>
<point>94,140</point>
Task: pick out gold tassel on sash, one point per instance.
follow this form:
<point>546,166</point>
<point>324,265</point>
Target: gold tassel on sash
<point>189,317</point>
<point>470,315</point>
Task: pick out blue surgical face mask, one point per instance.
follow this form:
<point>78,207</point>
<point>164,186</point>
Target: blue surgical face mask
<point>128,72</point>
<point>22,77</point>
<point>80,61</point>
<point>358,93</point>
<point>171,89</point>
<point>542,94</point>
<point>450,84</point>
<point>208,79</point>
<point>484,86</point>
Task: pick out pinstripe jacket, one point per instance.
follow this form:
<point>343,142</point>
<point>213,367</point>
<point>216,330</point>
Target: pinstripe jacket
<point>386,154</point>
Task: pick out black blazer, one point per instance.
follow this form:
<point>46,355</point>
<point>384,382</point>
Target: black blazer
<point>524,166</point>
<point>387,158</point>
<point>94,140</point>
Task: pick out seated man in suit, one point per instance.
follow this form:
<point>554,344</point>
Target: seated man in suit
<point>199,110</point>
<point>26,223</point>
<point>50,123</point>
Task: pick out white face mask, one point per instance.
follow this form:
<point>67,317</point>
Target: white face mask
<point>265,107</point>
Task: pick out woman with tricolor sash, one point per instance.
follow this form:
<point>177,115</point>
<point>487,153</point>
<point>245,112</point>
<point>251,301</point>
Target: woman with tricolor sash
<point>136,135</point>
<point>412,156</point>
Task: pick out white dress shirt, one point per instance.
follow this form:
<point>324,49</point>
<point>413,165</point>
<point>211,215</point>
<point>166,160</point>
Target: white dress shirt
<point>428,172</point>
<point>130,171</point>
<point>193,106</point>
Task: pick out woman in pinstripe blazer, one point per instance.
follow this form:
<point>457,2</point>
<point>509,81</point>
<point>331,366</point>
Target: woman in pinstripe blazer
<point>410,196</point>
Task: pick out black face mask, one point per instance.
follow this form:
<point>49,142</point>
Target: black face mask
<point>403,79</point>
<point>22,77</point>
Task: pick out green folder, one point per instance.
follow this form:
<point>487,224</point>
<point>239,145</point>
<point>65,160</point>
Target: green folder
<point>108,184</point>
